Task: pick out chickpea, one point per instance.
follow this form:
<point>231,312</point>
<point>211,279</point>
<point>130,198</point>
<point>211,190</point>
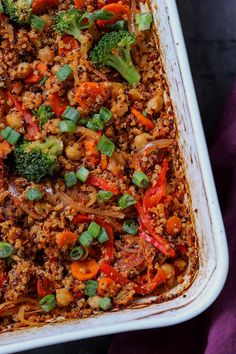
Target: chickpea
<point>55,69</point>
<point>64,297</point>
<point>23,70</point>
<point>74,151</point>
<point>155,104</point>
<point>168,269</point>
<point>47,19</point>
<point>46,55</point>
<point>134,94</point>
<point>15,120</point>
<point>94,301</point>
<point>141,140</point>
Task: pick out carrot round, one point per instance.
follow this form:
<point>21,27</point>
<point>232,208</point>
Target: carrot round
<point>173,225</point>
<point>119,11</point>
<point>85,270</point>
<point>66,238</point>
<point>142,119</point>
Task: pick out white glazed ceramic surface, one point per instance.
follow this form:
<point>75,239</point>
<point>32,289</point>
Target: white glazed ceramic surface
<point>209,226</point>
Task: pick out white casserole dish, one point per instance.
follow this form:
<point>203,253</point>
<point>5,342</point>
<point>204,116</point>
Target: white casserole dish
<point>213,252</point>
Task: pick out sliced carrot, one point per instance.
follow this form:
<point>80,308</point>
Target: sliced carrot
<point>119,11</point>
<point>142,119</point>
<point>5,149</point>
<point>87,94</point>
<point>66,238</point>
<point>103,162</point>
<point>79,4</point>
<point>173,225</point>
<point>69,44</point>
<point>40,6</point>
<point>85,270</point>
<point>33,78</point>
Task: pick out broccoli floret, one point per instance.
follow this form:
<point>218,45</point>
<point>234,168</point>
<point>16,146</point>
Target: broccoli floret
<point>74,21</point>
<point>114,50</point>
<point>18,10</point>
<point>44,113</point>
<point>36,160</point>
<point>68,22</point>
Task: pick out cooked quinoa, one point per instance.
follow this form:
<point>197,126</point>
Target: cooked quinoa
<point>94,207</point>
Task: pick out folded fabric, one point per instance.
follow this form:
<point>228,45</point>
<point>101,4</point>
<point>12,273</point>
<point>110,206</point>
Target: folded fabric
<point>214,331</point>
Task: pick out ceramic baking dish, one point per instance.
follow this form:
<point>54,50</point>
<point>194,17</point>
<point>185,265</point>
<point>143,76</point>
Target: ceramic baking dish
<point>213,254</point>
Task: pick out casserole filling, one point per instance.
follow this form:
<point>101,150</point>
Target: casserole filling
<point>94,206</point>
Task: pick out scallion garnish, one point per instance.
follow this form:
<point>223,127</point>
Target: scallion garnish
<point>103,236</point>
<point>11,135</point>
<point>126,200</point>
<point>71,114</point>
<point>6,249</point>
<point>119,25</point>
<point>103,196</point>
<point>105,114</point>
<point>140,179</point>
<point>70,179</point>
<point>91,288</point>
<point>86,239</point>
<point>131,227</point>
<point>67,126</point>
<point>64,73</point>
<point>82,174</point>
<point>76,253</point>
<point>106,146</point>
<point>33,194</point>
<point>144,21</point>
<point>47,303</point>
<point>37,23</point>
<point>94,229</point>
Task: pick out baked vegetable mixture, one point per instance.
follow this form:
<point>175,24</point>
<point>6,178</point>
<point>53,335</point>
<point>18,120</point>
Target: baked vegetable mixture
<point>94,212</point>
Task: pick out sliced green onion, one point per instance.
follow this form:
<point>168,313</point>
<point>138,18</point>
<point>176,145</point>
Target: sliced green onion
<point>103,236</point>
<point>94,229</point>
<point>6,249</point>
<point>105,146</point>
<point>1,8</point>
<point>33,194</point>
<point>76,253</point>
<point>71,114</point>
<point>47,303</point>
<point>43,80</point>
<point>64,73</point>
<point>144,113</point>
<point>105,114</point>
<point>91,288</point>
<point>140,179</point>
<point>37,23</point>
<point>82,174</point>
<point>86,239</point>
<point>67,126</point>
<point>119,25</point>
<point>91,126</point>
<point>131,227</point>
<point>83,121</point>
<point>5,132</point>
<point>144,21</point>
<point>70,179</point>
<point>97,122</point>
<point>103,196</point>
<point>11,135</point>
<point>106,304</point>
<point>126,200</point>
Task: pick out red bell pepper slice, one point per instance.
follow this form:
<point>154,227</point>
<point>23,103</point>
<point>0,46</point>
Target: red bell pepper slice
<point>153,195</point>
<point>102,183</point>
<point>157,280</point>
<point>109,245</point>
<point>113,273</point>
<point>32,128</point>
<point>44,287</point>
<point>58,104</point>
<point>155,239</point>
<point>34,78</point>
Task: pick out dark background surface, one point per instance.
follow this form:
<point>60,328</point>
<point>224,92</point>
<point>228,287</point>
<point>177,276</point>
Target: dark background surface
<point>209,28</point>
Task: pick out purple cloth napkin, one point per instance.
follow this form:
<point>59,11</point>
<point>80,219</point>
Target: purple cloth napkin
<point>214,331</point>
